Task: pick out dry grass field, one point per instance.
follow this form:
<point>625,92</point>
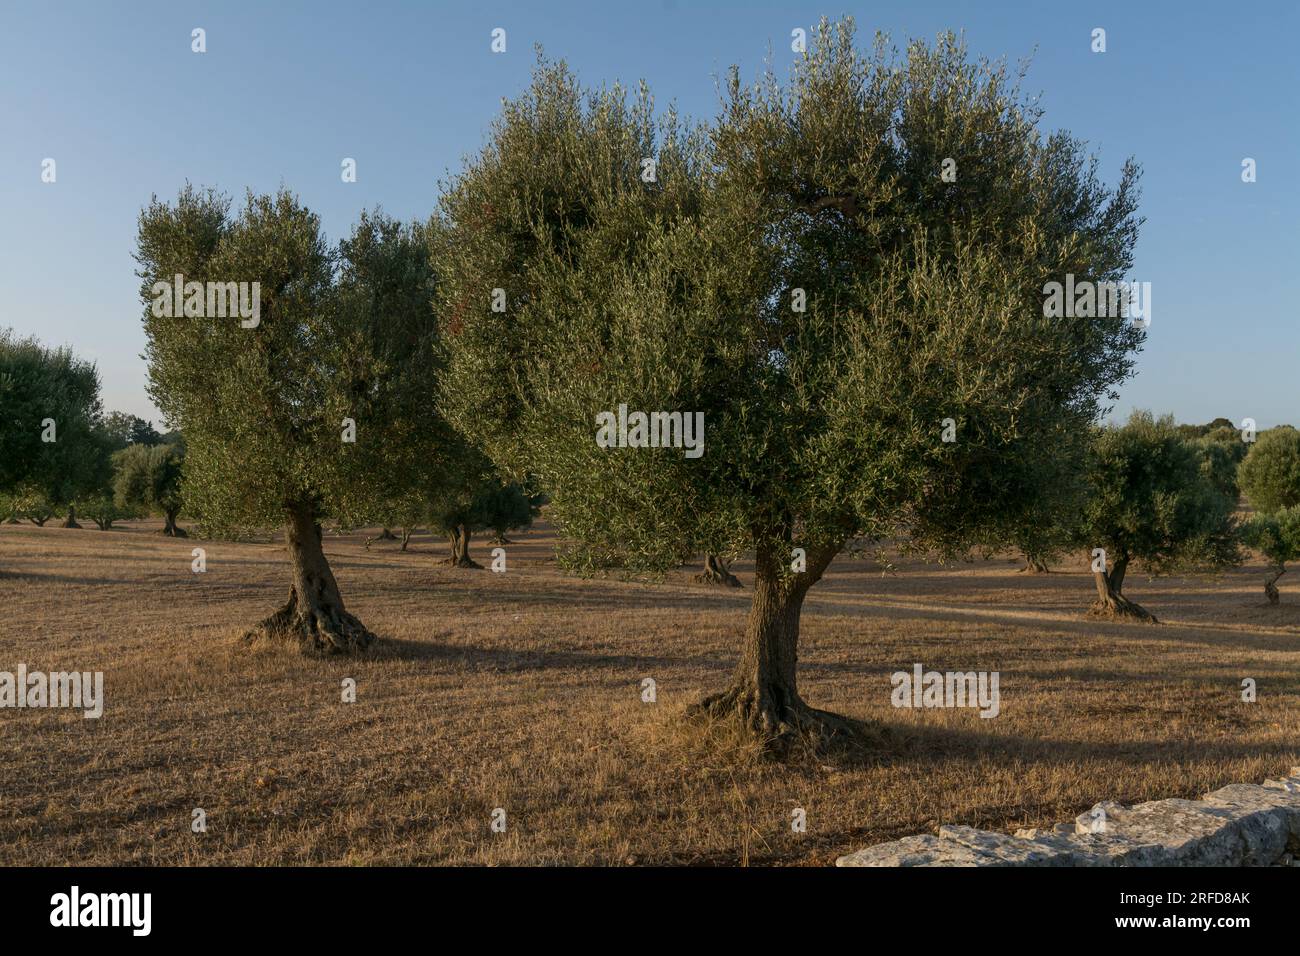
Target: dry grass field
<point>522,691</point>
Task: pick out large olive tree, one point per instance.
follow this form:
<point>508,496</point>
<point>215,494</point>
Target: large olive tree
<point>294,416</point>
<point>802,274</point>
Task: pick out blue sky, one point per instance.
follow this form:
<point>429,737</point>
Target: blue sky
<point>285,91</point>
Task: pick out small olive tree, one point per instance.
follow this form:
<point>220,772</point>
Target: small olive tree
<point>805,279</point>
<point>148,478</point>
<point>482,501</point>
<point>49,410</point>
<point>1150,501</point>
<point>1276,535</point>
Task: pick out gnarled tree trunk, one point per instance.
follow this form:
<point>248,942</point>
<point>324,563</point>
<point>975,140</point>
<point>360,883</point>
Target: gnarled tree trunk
<point>170,528</point>
<point>314,615</point>
<point>71,521</point>
<point>1035,564</point>
<point>1270,584</point>
<point>717,571</point>
<point>406,537</point>
<point>459,536</point>
<point>764,692</point>
<point>1111,601</point>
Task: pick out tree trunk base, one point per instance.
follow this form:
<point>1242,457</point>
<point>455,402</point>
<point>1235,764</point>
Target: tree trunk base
<point>1035,567</point>
<point>71,523</point>
<point>717,571</point>
<point>319,629</point>
<point>718,578</point>
<point>464,561</point>
<point>385,535</point>
<point>782,722</point>
<point>1270,585</point>
<point>1118,606</point>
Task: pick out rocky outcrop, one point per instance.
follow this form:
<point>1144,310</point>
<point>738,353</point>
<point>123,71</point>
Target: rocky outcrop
<point>1238,825</point>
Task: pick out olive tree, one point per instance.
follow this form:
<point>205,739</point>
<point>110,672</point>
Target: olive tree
<point>293,407</point>
<point>1270,472</point>
<point>1150,501</point>
<point>1276,535</point>
<point>49,410</point>
<point>33,503</point>
<point>480,501</point>
<point>862,338</point>
<point>717,571</point>
<point>148,477</point>
<point>465,496</point>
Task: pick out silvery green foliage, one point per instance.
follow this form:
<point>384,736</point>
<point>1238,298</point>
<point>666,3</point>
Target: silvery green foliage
<point>1270,473</point>
<point>1150,501</point>
<point>922,301</point>
<point>344,333</point>
<point>148,477</point>
<point>1275,534</point>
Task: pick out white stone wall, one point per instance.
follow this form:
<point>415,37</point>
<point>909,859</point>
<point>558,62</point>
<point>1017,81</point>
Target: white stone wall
<point>1238,825</point>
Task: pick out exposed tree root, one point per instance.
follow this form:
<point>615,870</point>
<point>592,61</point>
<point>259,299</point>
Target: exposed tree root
<point>463,561</point>
<point>783,722</point>
<point>717,572</point>
<point>320,629</point>
<point>1118,606</point>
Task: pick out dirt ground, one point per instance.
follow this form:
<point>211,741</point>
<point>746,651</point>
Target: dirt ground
<point>522,691</point>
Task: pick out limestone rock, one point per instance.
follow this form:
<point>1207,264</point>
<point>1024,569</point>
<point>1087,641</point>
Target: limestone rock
<point>1237,825</point>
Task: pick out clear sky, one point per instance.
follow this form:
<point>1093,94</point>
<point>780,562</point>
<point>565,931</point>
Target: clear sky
<point>112,92</point>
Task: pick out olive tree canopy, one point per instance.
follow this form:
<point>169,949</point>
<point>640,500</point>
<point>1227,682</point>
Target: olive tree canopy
<point>1270,473</point>
<point>802,274</point>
